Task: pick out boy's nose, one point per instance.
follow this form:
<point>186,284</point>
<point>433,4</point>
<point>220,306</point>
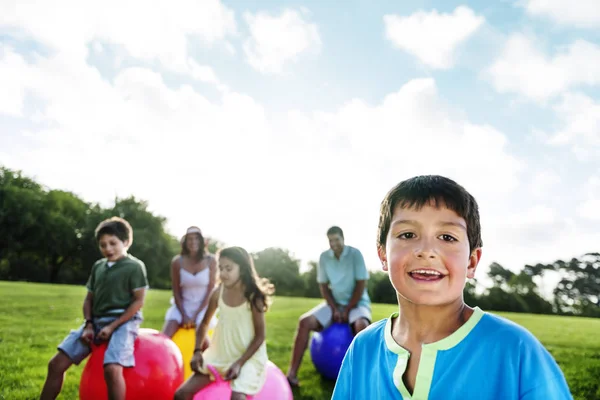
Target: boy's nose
<point>425,249</point>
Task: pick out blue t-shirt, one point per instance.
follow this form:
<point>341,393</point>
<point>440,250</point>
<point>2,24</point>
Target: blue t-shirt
<point>342,274</point>
<point>488,357</point>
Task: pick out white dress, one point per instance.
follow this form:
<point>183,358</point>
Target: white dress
<point>193,288</point>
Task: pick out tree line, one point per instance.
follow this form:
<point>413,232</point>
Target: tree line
<point>48,236</point>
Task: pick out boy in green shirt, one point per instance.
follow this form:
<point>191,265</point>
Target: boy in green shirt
<point>112,311</point>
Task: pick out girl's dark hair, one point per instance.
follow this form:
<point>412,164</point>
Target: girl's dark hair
<point>201,251</point>
<point>256,290</point>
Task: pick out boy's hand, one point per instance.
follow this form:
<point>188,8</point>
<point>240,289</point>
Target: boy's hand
<point>233,371</point>
<point>88,334</point>
<point>197,361</point>
<point>105,332</point>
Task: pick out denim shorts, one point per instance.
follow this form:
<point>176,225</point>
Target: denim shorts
<point>120,343</point>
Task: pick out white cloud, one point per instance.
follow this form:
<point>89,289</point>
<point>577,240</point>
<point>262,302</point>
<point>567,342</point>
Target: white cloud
<point>241,173</point>
<point>431,36</point>
<point>205,73</point>
<point>543,182</point>
<point>279,40</point>
<point>580,116</point>
<point>246,174</point>
<point>159,32</point>
<point>12,65</point>
<point>522,68</point>
<point>580,13</point>
<point>590,207</point>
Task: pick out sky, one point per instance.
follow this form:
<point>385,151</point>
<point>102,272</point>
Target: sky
<point>265,123</point>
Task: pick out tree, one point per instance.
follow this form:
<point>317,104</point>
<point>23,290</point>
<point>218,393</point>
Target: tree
<point>213,245</point>
<point>309,278</point>
<point>380,288</point>
<point>500,275</point>
<point>281,269</point>
<point>64,223</point>
<point>578,292</point>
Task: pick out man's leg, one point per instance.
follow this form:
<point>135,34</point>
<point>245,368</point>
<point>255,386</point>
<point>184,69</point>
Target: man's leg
<point>314,320</point>
<point>359,318</point>
<point>359,325</point>
<point>305,326</point>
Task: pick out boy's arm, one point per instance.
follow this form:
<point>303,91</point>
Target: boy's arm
<point>134,307</point>
<point>541,376</point>
<point>343,384</point>
<point>87,307</point>
<point>87,335</point>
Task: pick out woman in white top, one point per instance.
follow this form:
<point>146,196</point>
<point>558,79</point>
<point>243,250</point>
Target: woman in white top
<point>193,277</point>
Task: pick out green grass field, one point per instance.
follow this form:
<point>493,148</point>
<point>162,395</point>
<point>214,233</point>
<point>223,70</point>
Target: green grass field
<point>35,317</point>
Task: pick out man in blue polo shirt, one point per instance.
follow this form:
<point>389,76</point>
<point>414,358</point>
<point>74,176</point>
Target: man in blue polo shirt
<point>342,277</point>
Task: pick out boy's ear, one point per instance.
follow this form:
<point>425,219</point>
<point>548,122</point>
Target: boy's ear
<point>473,262</point>
<point>382,257</point>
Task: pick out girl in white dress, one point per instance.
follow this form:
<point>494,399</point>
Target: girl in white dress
<point>193,276</point>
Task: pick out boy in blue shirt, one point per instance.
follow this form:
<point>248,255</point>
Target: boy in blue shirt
<point>437,347</point>
<point>111,309</point>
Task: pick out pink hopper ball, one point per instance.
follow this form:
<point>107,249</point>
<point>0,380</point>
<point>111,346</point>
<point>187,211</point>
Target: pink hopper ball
<point>276,387</point>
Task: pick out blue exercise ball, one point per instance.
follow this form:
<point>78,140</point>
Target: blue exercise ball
<point>327,349</point>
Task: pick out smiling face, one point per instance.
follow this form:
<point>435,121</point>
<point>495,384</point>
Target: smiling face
<point>112,247</point>
<point>427,255</point>
<point>336,243</point>
<point>192,242</point>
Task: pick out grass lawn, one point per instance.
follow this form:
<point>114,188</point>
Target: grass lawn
<point>34,318</point>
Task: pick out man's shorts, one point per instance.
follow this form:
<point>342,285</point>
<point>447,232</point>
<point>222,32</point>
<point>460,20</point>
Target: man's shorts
<point>120,343</point>
<point>324,315</point>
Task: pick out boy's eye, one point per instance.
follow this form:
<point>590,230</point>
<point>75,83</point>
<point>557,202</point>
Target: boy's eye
<point>406,235</point>
<point>448,238</point>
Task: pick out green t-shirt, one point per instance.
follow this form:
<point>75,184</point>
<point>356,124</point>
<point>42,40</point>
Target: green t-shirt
<point>113,286</point>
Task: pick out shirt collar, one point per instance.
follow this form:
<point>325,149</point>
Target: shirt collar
<point>443,344</point>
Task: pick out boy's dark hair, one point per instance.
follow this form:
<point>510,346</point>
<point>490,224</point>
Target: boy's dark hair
<point>115,226</point>
<point>335,230</point>
<point>438,191</point>
<point>257,290</point>
<point>201,251</point>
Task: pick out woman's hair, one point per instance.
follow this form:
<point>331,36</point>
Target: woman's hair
<point>256,290</point>
<point>193,230</point>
